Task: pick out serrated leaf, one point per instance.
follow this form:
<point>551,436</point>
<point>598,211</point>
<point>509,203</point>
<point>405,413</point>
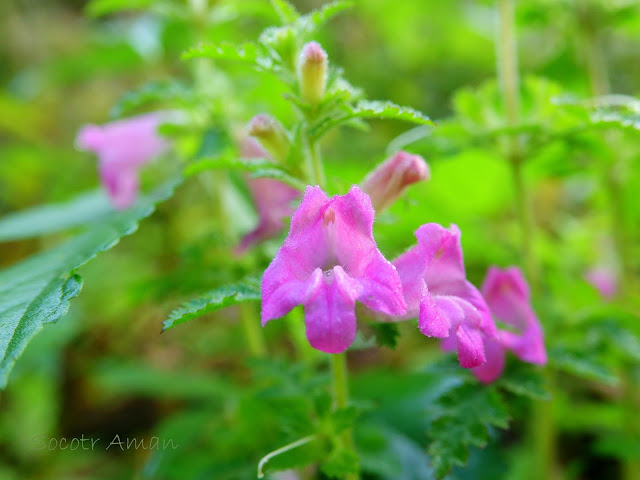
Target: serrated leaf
<point>582,365</point>
<point>244,291</point>
<point>341,463</point>
<point>247,52</point>
<point>257,167</point>
<point>42,220</point>
<point>525,380</point>
<point>150,92</point>
<point>464,419</point>
<point>371,110</point>
<point>37,291</point>
<point>285,10</point>
<point>318,18</point>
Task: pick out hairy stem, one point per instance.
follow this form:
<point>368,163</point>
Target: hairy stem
<point>611,179</point>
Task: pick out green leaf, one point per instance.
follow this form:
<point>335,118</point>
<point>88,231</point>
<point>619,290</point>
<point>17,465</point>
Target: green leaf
<point>318,18</point>
<point>138,379</point>
<point>525,380</point>
<point>258,167</point>
<point>37,291</point>
<point>98,8</point>
<point>158,91</point>
<point>341,462</point>
<point>285,10</point>
<point>582,364</point>
<point>243,291</point>
<point>465,418</point>
<point>247,52</point>
<point>371,110</point>
<point>46,219</point>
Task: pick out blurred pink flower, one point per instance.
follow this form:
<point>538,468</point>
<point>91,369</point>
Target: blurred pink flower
<point>507,294</point>
<point>327,262</point>
<point>391,178</point>
<point>436,290</point>
<point>604,279</point>
<point>123,147</point>
<point>272,198</point>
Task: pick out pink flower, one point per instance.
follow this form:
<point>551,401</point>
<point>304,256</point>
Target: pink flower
<point>437,291</point>
<point>272,199</point>
<point>507,294</point>
<point>327,262</point>
<point>604,279</point>
<point>122,148</point>
<point>391,178</point>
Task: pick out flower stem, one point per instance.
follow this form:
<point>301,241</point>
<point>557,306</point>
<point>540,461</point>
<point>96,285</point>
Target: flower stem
<point>341,397</point>
<point>252,331</point>
<point>599,82</point>
<point>340,385</point>
<point>542,425</point>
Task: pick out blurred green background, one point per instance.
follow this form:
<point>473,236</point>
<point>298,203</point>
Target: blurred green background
<point>104,369</point>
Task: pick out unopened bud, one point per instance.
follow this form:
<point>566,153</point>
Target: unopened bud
<point>390,179</point>
<point>272,136</point>
<point>312,72</point>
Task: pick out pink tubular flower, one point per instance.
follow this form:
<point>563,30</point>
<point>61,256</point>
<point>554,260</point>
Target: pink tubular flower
<point>604,279</point>
<point>507,294</point>
<point>122,148</point>
<point>327,262</point>
<point>436,290</point>
<point>272,199</point>
<point>390,179</point>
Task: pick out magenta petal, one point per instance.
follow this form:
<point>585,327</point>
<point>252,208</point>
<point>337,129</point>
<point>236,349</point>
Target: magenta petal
<point>508,297</point>
<point>327,262</point>
<point>491,370</point>
<point>122,148</point>
<point>121,185</point>
<point>470,346</point>
<point>330,310</point>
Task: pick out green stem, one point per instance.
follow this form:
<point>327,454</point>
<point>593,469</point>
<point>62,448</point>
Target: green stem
<point>612,182</point>
<point>340,386</point>
<point>341,397</point>
<point>316,167</point>
<point>252,330</point>
<point>542,425</point>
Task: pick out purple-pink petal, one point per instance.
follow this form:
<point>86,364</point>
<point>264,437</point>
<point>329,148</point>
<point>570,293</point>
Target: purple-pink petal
<point>328,261</point>
<point>437,291</point>
<point>508,296</point>
<point>122,148</point>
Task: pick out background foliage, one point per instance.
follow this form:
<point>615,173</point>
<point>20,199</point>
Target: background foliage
<point>104,369</point>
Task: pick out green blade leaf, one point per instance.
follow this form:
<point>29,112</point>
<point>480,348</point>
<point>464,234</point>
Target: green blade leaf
<point>243,291</point>
<point>151,92</point>
<point>37,291</point>
<point>42,220</point>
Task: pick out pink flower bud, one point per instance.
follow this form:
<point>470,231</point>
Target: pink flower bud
<point>312,72</point>
<point>389,179</point>
<point>272,135</point>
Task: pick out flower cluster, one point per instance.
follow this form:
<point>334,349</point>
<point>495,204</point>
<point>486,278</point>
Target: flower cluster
<point>330,260</point>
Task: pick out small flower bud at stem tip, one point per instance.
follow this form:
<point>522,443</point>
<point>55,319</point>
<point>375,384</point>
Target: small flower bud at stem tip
<point>390,179</point>
<point>312,72</point>
<point>271,134</point>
